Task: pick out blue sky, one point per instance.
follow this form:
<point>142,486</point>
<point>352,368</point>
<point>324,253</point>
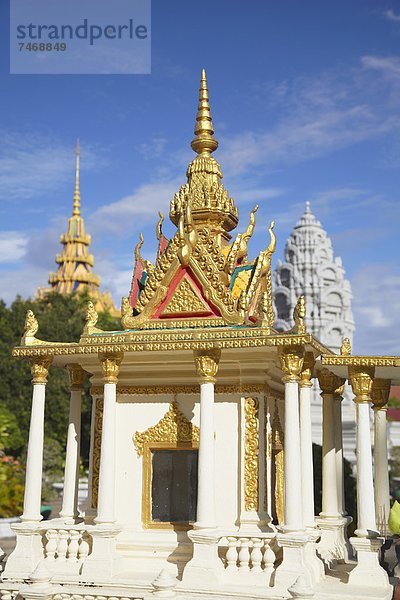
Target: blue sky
<point>305,101</point>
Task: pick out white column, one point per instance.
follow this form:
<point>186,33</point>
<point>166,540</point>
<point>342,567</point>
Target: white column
<point>328,383</point>
<point>382,493</point>
<point>206,567</point>
<point>380,396</point>
<point>106,494</point>
<point>365,483</point>
<point>69,510</point>
<point>367,544</point>
<point>307,468</point>
<point>337,416</point>
<point>291,363</point>
<point>333,545</point>
<point>207,368</point>
<point>298,547</point>
<point>34,460</point>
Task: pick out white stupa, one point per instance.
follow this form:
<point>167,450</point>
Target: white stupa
<point>310,268</point>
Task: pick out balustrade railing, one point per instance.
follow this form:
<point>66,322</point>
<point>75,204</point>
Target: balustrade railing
<point>248,554</point>
<point>68,545</point>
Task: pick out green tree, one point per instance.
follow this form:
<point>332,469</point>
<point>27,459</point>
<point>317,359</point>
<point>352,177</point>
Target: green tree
<point>61,318</point>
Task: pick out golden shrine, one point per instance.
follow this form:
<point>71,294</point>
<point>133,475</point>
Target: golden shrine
<point>75,263</point>
<point>201,470</point>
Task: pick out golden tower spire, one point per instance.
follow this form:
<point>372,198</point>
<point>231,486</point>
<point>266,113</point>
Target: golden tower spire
<point>77,194</point>
<point>75,262</point>
<point>204,142</point>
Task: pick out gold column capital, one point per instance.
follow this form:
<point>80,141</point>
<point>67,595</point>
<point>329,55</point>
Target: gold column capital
<point>292,360</point>
<point>307,370</point>
<point>380,392</point>
<point>40,369</point>
<point>207,362</point>
<point>76,376</point>
<point>110,366</point>
<point>330,383</point>
<point>361,379</point>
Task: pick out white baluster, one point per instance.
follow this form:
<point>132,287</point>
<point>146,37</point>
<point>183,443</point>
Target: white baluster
<point>62,545</point>
<point>232,554</point>
<point>51,545</point>
<point>269,556</point>
<point>256,555</point>
<point>73,545</point>
<point>244,555</point>
<point>83,550</point>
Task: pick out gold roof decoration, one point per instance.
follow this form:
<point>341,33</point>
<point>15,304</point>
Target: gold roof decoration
<point>196,273</point>
<point>75,263</point>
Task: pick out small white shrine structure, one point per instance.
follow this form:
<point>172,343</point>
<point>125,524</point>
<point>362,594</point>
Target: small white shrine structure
<point>201,473</point>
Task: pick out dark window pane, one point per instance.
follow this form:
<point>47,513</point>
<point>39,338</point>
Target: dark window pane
<point>174,485</point>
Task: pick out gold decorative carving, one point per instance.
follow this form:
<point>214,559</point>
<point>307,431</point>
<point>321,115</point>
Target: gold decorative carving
<point>380,392</point>
<point>361,361</point>
<point>238,249</point>
<point>278,464</point>
<point>345,349</point>
<point>40,369</point>
<point>76,376</point>
<point>292,359</point>
<point>91,319</point>
<point>251,454</point>
<point>110,367</point>
<point>97,431</point>
<point>159,340</point>
<point>185,300</point>
<point>299,316</point>
<point>31,328</point>
<point>138,390</point>
<point>307,370</point>
<point>329,382</point>
<point>206,362</point>
<point>174,428</point>
<point>361,382</point>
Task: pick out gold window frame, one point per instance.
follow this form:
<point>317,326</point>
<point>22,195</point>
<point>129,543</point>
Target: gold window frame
<point>147,500</point>
<point>172,432</point>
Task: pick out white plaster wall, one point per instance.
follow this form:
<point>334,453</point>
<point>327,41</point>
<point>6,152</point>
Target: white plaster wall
<point>138,413</point>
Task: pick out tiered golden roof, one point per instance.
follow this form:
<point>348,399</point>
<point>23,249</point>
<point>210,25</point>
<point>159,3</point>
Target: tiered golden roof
<point>198,275</point>
<point>74,273</point>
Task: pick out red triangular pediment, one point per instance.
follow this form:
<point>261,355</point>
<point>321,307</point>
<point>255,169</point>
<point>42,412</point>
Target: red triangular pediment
<point>185,299</point>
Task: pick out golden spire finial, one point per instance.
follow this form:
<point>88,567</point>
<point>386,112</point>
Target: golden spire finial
<point>77,194</point>
<point>204,142</point>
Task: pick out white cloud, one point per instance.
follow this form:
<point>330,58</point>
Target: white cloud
<point>392,16</point>
<point>386,65</point>
<point>376,305</point>
<point>316,116</point>
<point>135,210</point>
<point>12,246</point>
<point>23,282</point>
<point>32,164</point>
<point>154,148</point>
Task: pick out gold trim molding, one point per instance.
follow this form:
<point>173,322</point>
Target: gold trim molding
<point>251,470</point>
<point>98,427</point>
<point>137,390</point>
<point>165,341</point>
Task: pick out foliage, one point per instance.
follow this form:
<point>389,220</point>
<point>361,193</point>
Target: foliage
<point>60,318</point>
<point>11,486</point>
<point>349,484</point>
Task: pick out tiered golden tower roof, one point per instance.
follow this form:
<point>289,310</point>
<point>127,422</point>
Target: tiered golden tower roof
<point>199,278</point>
<point>75,263</point>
